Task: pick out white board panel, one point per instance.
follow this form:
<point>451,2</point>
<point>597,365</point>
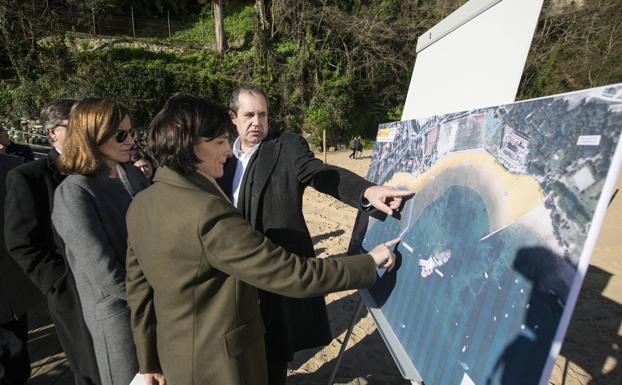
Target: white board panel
<point>474,58</point>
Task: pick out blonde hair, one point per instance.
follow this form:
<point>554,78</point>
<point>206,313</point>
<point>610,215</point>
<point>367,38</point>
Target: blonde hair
<point>91,123</point>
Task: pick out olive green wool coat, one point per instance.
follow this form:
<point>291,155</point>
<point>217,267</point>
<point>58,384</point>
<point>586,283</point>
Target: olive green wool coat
<point>193,264</point>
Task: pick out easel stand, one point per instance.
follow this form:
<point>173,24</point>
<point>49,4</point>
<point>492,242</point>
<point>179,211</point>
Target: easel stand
<point>355,315</point>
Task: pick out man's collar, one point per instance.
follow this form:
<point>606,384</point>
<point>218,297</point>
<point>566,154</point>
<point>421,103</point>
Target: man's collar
<point>237,149</point>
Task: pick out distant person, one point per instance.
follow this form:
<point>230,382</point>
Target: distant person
<point>193,261</point>
<point>359,148</point>
<point>356,147</point>
<point>143,162</point>
<point>36,247</point>
<point>89,215</point>
<point>266,180</point>
<point>12,148</point>
<point>16,295</point>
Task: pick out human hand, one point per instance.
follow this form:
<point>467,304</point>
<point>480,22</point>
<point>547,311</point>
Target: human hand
<point>154,379</point>
<point>382,255</point>
<point>386,198</point>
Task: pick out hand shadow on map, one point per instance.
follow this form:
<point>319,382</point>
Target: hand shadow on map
<point>362,221</point>
<point>523,360</point>
<point>385,283</point>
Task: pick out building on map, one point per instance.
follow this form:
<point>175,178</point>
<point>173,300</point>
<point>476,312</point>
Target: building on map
<point>431,137</point>
<point>514,150</point>
<point>583,178</point>
<point>447,138</point>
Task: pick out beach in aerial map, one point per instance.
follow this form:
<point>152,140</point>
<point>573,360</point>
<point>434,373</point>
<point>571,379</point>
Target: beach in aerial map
<point>507,196</point>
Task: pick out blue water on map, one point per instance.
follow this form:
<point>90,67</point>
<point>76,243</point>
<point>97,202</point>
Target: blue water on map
<point>483,312</point>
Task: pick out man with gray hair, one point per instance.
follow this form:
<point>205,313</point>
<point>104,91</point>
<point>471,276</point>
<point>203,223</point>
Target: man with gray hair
<point>35,246</point>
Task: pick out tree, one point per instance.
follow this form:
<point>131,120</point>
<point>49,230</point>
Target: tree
<point>221,38</point>
<point>262,29</point>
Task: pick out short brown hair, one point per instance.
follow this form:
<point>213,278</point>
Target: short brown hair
<point>176,128</point>
<point>245,87</point>
<point>91,123</point>
<point>54,112</point>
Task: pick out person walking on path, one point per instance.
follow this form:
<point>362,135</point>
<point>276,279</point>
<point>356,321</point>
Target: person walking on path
<point>357,147</point>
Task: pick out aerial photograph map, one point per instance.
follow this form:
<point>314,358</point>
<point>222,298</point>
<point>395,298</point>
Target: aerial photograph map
<point>492,241</point>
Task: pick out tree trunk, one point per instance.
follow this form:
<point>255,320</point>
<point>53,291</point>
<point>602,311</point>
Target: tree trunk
<point>221,38</point>
<point>262,29</point>
<point>94,25</point>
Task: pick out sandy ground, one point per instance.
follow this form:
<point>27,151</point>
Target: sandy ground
<point>591,353</point>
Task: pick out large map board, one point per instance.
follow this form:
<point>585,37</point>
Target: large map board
<point>496,242</point>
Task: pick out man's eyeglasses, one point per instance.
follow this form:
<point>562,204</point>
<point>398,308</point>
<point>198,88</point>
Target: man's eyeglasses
<point>121,135</point>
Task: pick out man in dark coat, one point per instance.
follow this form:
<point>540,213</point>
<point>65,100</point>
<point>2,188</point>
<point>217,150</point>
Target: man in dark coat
<point>266,179</point>
<point>16,295</point>
<point>16,149</point>
<point>36,247</point>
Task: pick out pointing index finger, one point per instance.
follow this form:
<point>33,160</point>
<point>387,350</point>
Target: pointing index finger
<point>392,242</point>
<point>402,193</point>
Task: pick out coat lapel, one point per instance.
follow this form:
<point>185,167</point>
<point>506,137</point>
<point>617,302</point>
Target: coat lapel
<point>226,182</point>
<point>268,154</point>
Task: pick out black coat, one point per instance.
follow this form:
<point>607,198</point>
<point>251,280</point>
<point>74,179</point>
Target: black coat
<point>20,150</point>
<point>36,247</point>
<point>16,291</point>
<point>271,199</point>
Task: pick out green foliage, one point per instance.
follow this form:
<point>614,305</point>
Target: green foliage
<point>574,47</point>
<point>341,66</point>
<point>368,144</point>
<point>239,24</point>
<point>317,119</point>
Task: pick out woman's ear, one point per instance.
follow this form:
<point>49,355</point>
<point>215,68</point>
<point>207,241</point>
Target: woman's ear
<point>51,134</point>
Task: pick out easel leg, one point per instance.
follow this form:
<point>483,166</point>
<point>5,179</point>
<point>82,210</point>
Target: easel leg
<point>355,315</point>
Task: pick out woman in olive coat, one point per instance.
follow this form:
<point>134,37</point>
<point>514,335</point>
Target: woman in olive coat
<point>194,263</point>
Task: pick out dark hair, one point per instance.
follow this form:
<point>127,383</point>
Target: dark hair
<point>138,153</point>
<point>175,129</point>
<point>245,87</point>
<point>92,122</point>
<point>55,112</point>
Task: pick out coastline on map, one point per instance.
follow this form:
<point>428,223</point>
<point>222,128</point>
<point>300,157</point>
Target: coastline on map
<point>539,220</point>
<point>509,198</point>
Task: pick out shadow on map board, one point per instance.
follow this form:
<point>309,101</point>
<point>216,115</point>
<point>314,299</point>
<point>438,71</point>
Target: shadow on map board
<point>593,341</point>
<point>523,360</point>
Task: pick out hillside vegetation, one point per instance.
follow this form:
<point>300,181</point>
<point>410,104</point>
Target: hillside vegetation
<point>343,66</point>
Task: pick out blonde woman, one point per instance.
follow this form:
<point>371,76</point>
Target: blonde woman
<point>89,215</point>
